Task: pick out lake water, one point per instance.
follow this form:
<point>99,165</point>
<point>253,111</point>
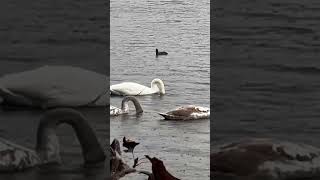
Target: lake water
<point>34,34</point>
<point>267,70</point>
<point>180,28</point>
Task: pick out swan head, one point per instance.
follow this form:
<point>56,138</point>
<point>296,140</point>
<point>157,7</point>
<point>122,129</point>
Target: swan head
<point>158,84</point>
<point>50,152</point>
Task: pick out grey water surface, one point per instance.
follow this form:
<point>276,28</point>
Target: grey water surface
<point>267,67</point>
<point>38,33</point>
<point>180,28</point>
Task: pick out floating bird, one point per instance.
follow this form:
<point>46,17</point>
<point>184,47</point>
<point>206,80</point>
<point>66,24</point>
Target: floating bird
<point>190,112</point>
<point>54,86</point>
<point>265,159</point>
<point>114,111</point>
<point>159,171</point>
<point>135,89</point>
<point>14,157</point>
<point>129,144</point>
<point>160,53</point>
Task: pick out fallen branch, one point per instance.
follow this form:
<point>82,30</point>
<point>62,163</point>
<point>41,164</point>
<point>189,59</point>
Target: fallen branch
<point>118,167</point>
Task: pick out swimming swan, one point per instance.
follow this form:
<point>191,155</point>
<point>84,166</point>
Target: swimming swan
<point>14,157</point>
<point>190,112</point>
<point>114,111</point>
<point>54,86</point>
<point>265,159</point>
<point>135,89</point>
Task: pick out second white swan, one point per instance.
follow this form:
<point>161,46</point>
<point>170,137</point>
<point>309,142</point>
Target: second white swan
<point>114,111</point>
<point>135,89</point>
<point>14,157</point>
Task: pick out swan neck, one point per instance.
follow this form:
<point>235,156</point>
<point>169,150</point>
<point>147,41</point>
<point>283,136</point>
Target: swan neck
<point>157,84</point>
<point>125,104</point>
<point>47,145</point>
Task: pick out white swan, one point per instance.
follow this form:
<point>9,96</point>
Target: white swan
<point>14,157</point>
<point>190,112</point>
<point>135,89</point>
<point>54,86</point>
<point>114,111</point>
<point>265,159</point>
